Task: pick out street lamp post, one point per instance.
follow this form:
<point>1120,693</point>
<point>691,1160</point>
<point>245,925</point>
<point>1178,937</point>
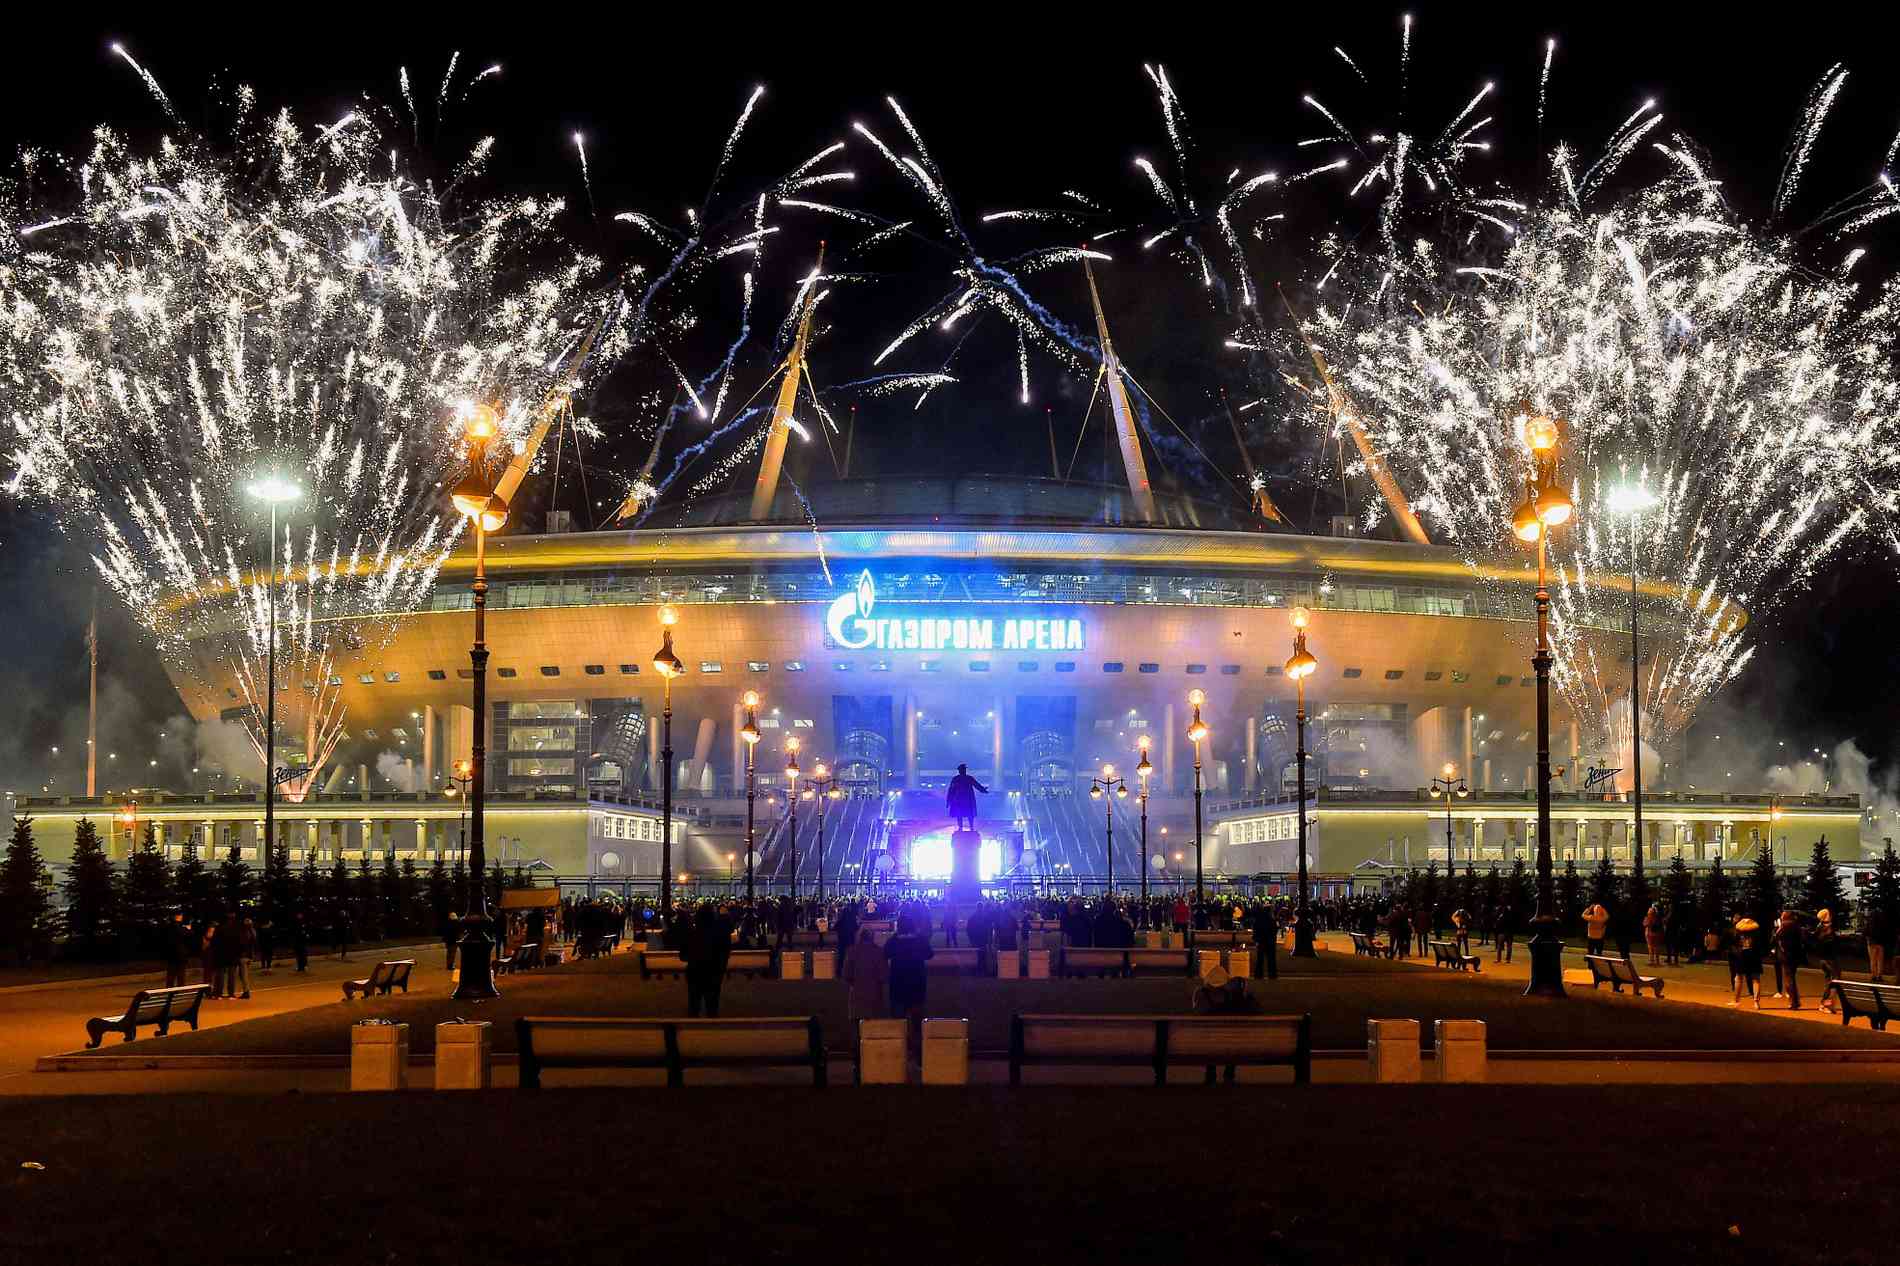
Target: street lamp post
<point>1632,501</point>
<point>1105,788</point>
<point>750,733</point>
<point>273,491</point>
<point>791,806</point>
<point>1197,733</point>
<point>462,773</point>
<point>1299,668</point>
<point>1546,506</point>
<point>666,663</point>
<point>1452,789</point>
<point>1142,771</point>
<point>821,787</point>
<point>476,498</point>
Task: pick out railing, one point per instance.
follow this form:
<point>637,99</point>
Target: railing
<point>1387,795</point>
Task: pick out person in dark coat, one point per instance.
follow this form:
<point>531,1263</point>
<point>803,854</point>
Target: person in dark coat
<point>451,937</point>
<point>906,953</point>
<point>300,941</point>
<point>227,950</point>
<point>177,950</point>
<point>1265,923</point>
<point>708,946</point>
<point>847,925</point>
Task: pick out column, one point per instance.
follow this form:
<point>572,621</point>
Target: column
<point>368,835</point>
<point>910,740</point>
<point>1477,824</point>
<point>654,722</point>
<point>1168,785</point>
<point>1486,782</point>
<point>1252,759</point>
<point>431,765</point>
<point>422,837</point>
<point>362,781</point>
<point>311,838</point>
<point>738,751</point>
<point>1465,769</point>
<point>1571,781</point>
<point>996,742</point>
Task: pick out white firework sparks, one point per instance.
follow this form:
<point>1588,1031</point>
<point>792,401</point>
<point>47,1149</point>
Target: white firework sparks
<point>292,304</point>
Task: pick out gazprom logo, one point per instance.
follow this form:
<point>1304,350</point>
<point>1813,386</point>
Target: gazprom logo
<point>852,626</point>
<point>848,619</point>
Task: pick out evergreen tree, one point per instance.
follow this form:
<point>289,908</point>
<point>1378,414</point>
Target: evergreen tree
<point>491,881</point>
<point>440,894</point>
<point>1761,889</point>
<point>336,892</point>
<point>394,914</point>
<point>1491,894</point>
<point>1605,887</point>
<point>1569,897</point>
<point>1424,895</point>
<point>365,902</point>
<point>235,881</point>
<point>1521,891</point>
<point>148,892</point>
<point>26,895</point>
<point>415,914</point>
<point>193,884</point>
<point>1716,898</point>
<point>1823,889</point>
<point>1638,894</point>
<point>91,894</point>
<point>280,884</point>
<point>1678,884</point>
<point>1885,894</point>
<point>519,879</point>
<point>458,885</point>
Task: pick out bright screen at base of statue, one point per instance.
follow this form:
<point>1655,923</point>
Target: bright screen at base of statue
<point>930,857</point>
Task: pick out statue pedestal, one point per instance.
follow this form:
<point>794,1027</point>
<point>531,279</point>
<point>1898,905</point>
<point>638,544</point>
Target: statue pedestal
<point>965,881</point>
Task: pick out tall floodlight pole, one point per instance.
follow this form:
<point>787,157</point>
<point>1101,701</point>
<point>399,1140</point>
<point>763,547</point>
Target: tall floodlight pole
<point>1197,733</point>
<point>791,805</point>
<point>273,491</point>
<point>750,733</point>
<point>1299,668</point>
<point>1142,770</point>
<point>1451,789</point>
<point>666,663</point>
<point>1546,506</point>
<point>486,510</point>
<point>1105,788</point>
<point>821,786</point>
<point>1632,501</point>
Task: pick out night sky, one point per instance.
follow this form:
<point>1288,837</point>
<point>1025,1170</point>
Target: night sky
<point>1014,113</point>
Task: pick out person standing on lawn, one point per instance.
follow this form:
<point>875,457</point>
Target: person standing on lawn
<point>1596,927</point>
<point>1744,961</point>
<point>1878,933</point>
<point>1421,929</point>
<point>906,953</point>
<point>708,947</point>
<point>866,975</point>
<point>1653,924</point>
<point>300,941</point>
<point>1790,955</point>
<point>1827,949</point>
<point>177,950</point>
<point>227,952</point>
<point>207,937</point>
<point>1265,922</point>
<point>1506,931</point>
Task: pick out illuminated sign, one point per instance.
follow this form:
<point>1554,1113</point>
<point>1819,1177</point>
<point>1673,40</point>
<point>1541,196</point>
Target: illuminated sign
<point>852,625</point>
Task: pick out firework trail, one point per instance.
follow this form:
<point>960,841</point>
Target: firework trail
<point>1685,351</point>
<point>285,301</point>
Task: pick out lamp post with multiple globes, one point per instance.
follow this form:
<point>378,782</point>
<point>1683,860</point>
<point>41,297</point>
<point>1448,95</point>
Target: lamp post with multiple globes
<point>1105,787</point>
<point>476,498</point>
<point>1142,770</point>
<point>791,805</point>
<point>1299,668</point>
<point>1197,734</point>
<point>1451,789</point>
<point>821,786</point>
<point>666,662</point>
<point>1546,505</point>
<point>750,733</point>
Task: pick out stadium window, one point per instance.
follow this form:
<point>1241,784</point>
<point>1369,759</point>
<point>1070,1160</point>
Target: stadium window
<point>499,672</point>
<point>1230,670</point>
<point>1112,666</point>
<point>758,666</point>
<point>1350,673</point>
<point>929,665</point>
<point>392,678</point>
<point>366,679</point>
<point>1027,666</point>
<point>711,666</point>
<point>1148,668</point>
<point>841,666</point>
<point>1527,681</point>
<point>1065,665</point>
<point>881,666</point>
<point>436,674</point>
<point>629,670</point>
<point>594,670</point>
<point>1458,678</point>
<point>1504,679</point>
<point>468,674</point>
<point>794,665</point>
<point>1273,670</point>
<point>979,665</point>
<point>1195,670</point>
<point>802,723</point>
<point>1393,674</point>
<point>550,670</point>
<point>1434,674</point>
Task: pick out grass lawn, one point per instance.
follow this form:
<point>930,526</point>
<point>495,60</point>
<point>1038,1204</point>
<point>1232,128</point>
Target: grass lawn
<point>1050,1175</point>
<point>70,969</point>
<point>1341,991</point>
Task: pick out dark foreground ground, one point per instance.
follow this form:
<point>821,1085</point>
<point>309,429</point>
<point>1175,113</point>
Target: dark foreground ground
<point>1340,991</point>
<point>1052,1175</point>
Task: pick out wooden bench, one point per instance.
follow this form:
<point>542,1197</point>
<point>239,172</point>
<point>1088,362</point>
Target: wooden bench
<point>150,1006</point>
<point>1082,960</point>
<point>661,963</point>
<point>749,962</point>
<point>1445,954</point>
<point>632,1042</point>
<point>1220,938</point>
<point>1879,1003</point>
<point>1366,944</point>
<point>1617,972</point>
<point>393,973</point>
<point>1162,1041</point>
<point>596,945</point>
<point>1133,961</point>
<point>966,960</point>
<point>527,955</point>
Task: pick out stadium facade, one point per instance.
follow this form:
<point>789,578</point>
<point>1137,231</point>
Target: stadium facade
<point>1033,630</point>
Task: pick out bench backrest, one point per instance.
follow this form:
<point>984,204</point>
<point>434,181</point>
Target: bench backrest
<point>1175,1038</point>
<point>149,1006</point>
<point>673,1044</point>
<point>1866,996</point>
<point>748,959</point>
